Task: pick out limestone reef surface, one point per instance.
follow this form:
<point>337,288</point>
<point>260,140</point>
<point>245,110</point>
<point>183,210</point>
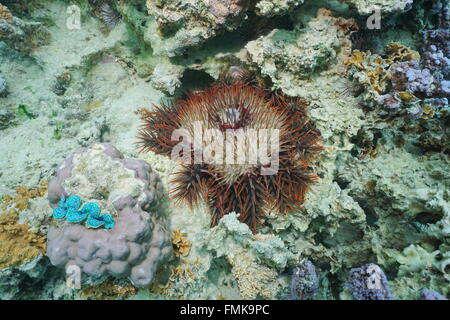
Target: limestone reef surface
<point>380,211</point>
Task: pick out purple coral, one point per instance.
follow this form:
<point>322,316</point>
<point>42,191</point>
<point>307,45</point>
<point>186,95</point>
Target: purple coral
<point>409,76</point>
<point>417,83</point>
<point>305,283</point>
<point>138,243</point>
<point>436,51</point>
<point>369,283</point>
<point>426,294</point>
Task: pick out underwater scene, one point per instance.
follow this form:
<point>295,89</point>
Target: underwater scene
<point>224,150</point>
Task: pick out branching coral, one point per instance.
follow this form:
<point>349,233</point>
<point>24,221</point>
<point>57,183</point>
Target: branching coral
<point>248,114</point>
<point>372,71</point>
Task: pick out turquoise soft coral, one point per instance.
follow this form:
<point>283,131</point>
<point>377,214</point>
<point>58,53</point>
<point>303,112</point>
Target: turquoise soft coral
<point>68,208</point>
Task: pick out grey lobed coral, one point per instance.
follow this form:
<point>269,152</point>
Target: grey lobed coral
<point>126,188</point>
<point>369,283</point>
<point>305,283</point>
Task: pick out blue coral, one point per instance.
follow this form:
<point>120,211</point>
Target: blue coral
<point>70,210</point>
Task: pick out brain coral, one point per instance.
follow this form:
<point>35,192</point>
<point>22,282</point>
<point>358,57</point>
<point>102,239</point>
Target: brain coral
<point>128,189</point>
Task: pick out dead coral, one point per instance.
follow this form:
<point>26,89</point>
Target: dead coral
<point>20,202</point>
<point>17,243</point>
<point>182,275</point>
<point>108,290</point>
<point>253,280</point>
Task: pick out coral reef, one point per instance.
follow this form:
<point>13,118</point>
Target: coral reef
<point>137,244</point>
<point>290,56</point>
<point>382,202</point>
<point>254,259</point>
<point>5,14</point>
<point>22,262</point>
<point>15,204</point>
<point>180,25</point>
<point>399,83</point>
<point>369,283</point>
<point>403,81</point>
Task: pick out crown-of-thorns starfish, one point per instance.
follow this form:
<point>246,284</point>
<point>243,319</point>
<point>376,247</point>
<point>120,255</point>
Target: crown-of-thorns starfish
<point>237,102</point>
